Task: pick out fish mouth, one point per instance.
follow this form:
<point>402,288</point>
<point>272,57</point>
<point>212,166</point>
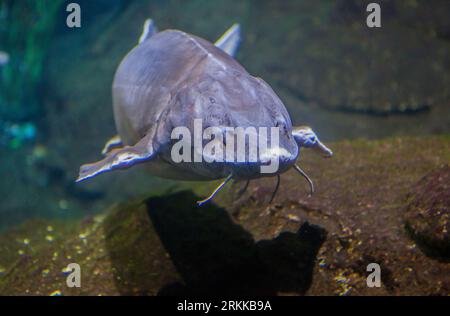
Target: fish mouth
<point>271,162</point>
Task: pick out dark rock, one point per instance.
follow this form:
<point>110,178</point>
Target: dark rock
<point>427,215</point>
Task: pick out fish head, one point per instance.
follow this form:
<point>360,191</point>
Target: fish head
<point>246,129</point>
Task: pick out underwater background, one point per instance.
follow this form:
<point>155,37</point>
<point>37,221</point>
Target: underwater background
<point>379,96</point>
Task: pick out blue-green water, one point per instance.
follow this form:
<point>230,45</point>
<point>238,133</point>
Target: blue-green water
<point>333,73</point>
<point>379,97</point>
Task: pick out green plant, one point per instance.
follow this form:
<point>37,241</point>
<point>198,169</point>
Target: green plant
<point>26,29</point>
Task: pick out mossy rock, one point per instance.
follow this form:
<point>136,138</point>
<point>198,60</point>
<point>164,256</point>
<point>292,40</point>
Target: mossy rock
<point>166,245</point>
<point>427,216</point>
<point>327,56</point>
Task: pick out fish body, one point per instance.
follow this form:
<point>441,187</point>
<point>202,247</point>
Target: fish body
<point>173,79</point>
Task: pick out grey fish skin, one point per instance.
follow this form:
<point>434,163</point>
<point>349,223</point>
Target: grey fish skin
<point>173,78</point>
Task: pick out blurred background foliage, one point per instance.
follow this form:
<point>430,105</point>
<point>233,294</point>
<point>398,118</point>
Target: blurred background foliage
<point>26,30</point>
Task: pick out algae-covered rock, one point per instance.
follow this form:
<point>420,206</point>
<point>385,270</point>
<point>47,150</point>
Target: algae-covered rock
<point>166,245</point>
<point>326,54</point>
<point>428,213</point>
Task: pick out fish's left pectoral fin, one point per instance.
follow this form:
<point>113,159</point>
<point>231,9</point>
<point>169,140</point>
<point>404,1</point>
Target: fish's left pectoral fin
<point>305,137</point>
<point>229,41</point>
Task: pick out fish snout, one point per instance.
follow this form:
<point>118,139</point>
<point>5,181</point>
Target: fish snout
<point>271,161</point>
<point>277,159</point>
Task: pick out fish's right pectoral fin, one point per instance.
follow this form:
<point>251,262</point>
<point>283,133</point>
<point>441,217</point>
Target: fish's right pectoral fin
<point>119,158</point>
<point>148,30</point>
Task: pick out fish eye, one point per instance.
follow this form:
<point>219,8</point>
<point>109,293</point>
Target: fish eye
<point>282,127</point>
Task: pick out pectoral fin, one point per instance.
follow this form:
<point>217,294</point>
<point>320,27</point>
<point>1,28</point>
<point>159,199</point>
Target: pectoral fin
<point>229,41</point>
<point>305,137</point>
<point>148,30</point>
<point>119,158</point>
